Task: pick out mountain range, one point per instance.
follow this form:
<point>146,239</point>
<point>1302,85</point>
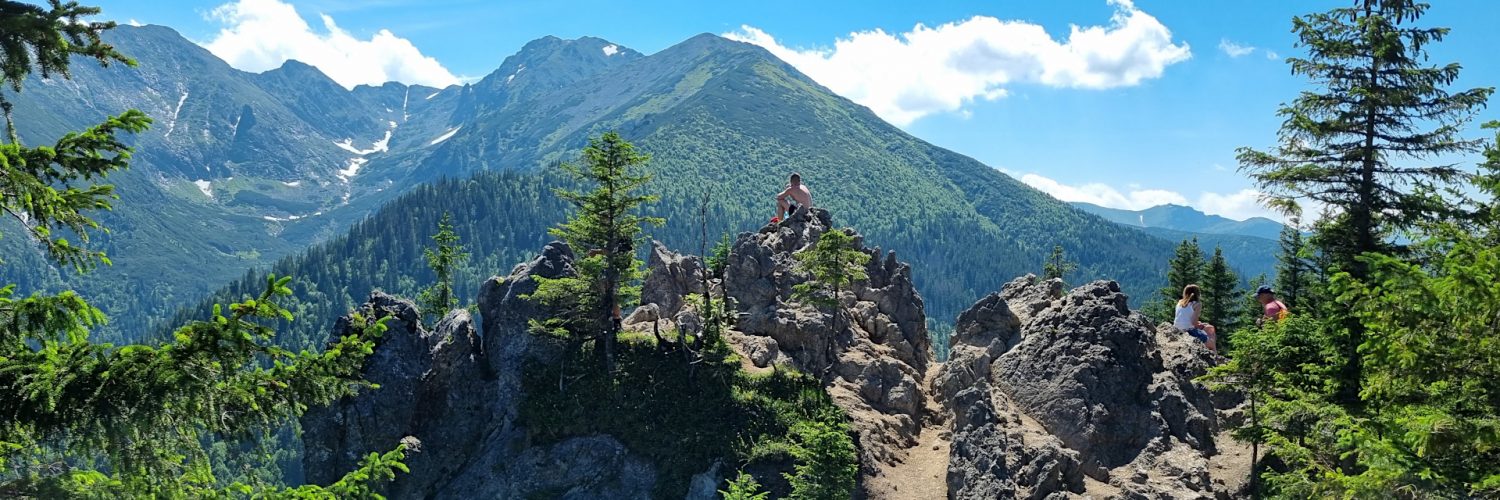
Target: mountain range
<point>242,170</point>
<point>1187,219</point>
<point>1250,244</point>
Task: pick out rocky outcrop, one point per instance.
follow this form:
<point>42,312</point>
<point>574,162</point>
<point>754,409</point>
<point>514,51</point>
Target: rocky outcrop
<point>671,278</point>
<point>1047,393</point>
<point>458,396</point>
<point>1071,386</point>
<point>425,377</point>
<point>872,363</point>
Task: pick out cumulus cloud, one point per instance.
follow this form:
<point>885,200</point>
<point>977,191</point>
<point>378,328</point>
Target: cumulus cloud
<point>905,76</point>
<point>259,35</point>
<point>1239,205</point>
<point>1104,195</point>
<point>1235,49</point>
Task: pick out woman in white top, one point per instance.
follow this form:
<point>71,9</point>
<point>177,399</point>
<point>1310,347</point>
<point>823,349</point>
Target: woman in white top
<point>1189,308</point>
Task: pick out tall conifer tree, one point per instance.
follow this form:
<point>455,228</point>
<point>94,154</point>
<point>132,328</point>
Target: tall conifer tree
<point>1221,293</point>
<point>606,228</point>
<point>1370,139</point>
<point>444,258</point>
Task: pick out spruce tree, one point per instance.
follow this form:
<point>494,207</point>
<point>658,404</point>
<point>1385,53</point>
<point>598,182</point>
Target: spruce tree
<point>84,419</point>
<point>606,228</point>
<point>832,264</point>
<point>1221,294</point>
<point>1295,275</point>
<point>1057,265</point>
<point>1370,140</point>
<point>448,254</point>
<point>1185,267</point>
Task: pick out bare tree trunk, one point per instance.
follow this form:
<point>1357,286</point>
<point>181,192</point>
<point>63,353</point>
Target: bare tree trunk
<point>1254,451</point>
<point>661,343</point>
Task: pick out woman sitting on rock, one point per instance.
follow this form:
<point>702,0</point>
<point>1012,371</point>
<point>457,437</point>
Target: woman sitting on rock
<point>1189,307</point>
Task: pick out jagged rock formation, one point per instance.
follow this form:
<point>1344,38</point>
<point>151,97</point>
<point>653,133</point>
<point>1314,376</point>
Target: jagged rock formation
<point>1075,393</point>
<point>673,276</point>
<point>458,396</point>
<point>1047,393</point>
<point>873,363</point>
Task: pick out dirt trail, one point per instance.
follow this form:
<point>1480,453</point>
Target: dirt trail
<point>923,473</point>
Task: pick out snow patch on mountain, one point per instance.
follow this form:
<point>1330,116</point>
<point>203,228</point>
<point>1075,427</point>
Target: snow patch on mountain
<point>353,168</point>
<point>610,50</point>
<point>379,146</point>
<point>291,184</point>
<point>289,218</point>
<point>172,122</point>
<point>206,186</point>
<point>445,135</point>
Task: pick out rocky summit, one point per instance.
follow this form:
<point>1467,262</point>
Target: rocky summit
<point>1047,393</point>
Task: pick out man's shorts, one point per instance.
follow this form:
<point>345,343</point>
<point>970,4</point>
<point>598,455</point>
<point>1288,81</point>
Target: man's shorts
<point>1199,334</point>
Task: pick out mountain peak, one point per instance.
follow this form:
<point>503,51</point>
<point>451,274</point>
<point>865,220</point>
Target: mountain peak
<point>587,47</point>
<point>549,63</point>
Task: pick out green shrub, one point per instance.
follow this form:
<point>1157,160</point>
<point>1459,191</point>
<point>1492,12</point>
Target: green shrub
<point>683,415</point>
<point>744,487</point>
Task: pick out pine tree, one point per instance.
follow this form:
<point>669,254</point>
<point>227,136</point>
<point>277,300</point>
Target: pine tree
<point>438,299</point>
<point>1221,294</point>
<point>1185,268</point>
<point>83,419</point>
<point>832,264</point>
<point>744,487</point>
<point>1057,265</point>
<point>1295,274</point>
<point>1368,141</point>
<point>607,226</point>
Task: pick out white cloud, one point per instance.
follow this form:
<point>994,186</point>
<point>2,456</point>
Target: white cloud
<point>1239,205</point>
<point>906,76</point>
<point>259,35</point>
<point>1104,195</point>
<point>1272,55</point>
<point>133,22</point>
<point>1235,49</point>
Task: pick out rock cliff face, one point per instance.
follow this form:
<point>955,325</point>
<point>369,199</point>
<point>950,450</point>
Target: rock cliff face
<point>1074,393</point>
<point>1047,393</point>
<point>458,396</point>
<point>872,364</point>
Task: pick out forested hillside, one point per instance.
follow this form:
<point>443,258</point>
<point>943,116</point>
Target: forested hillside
<point>242,169</point>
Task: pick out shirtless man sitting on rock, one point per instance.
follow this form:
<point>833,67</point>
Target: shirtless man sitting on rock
<point>795,195</point>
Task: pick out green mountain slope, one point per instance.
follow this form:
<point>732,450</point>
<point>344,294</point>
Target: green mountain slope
<point>721,118</point>
<point>1249,256</point>
<point>729,121</point>
<point>233,161</point>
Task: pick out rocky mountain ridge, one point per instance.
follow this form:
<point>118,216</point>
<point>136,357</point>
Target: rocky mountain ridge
<point>1048,394</point>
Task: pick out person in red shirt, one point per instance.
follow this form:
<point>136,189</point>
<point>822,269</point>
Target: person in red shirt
<point>1273,310</point>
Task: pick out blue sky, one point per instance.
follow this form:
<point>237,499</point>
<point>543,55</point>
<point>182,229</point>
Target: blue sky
<point>1065,112</point>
